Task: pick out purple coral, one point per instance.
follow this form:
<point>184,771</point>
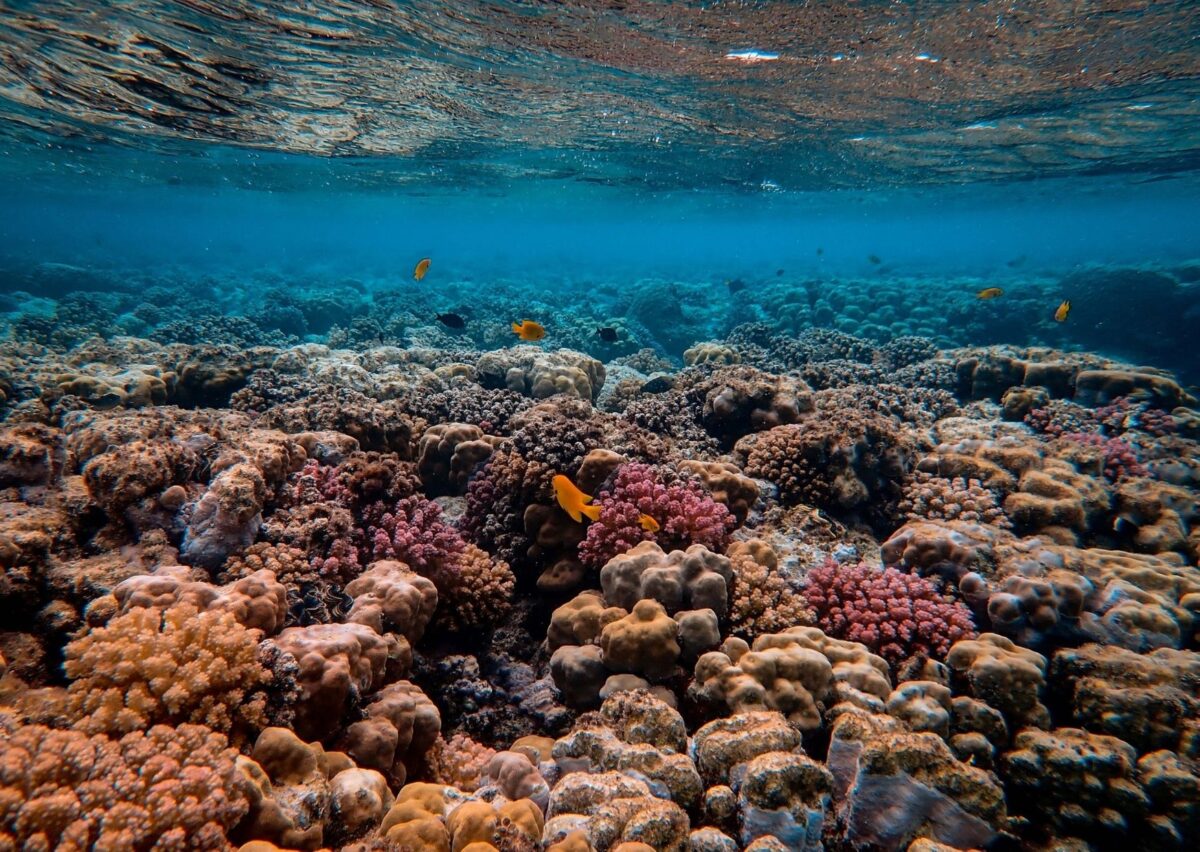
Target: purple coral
<point>685,513</point>
<point>1120,461</point>
<point>896,615</point>
<point>413,532</point>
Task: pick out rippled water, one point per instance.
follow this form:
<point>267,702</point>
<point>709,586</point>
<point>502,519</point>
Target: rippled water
<point>654,94</point>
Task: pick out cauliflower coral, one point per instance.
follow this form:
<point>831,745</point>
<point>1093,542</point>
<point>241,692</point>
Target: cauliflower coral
<point>148,666</point>
<point>684,512</point>
<point>896,615</point>
<point>165,788</point>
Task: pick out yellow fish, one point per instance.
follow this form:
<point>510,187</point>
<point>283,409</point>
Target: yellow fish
<point>989,293</point>
<point>574,501</point>
<point>1060,315</point>
<point>648,523</point>
<point>422,268</point>
<point>528,330</point>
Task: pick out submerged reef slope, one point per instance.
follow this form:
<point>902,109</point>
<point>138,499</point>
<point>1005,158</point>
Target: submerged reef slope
<point>301,580</point>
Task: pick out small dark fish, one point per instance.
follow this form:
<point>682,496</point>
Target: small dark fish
<point>820,251</point>
<point>381,338</point>
<point>658,384</point>
<point>875,259</point>
<point>607,334</point>
<point>1016,261</point>
<point>778,273</point>
<point>735,285</point>
<point>452,320</point>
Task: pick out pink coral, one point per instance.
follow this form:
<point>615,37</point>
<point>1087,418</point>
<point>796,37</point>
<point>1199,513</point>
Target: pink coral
<point>317,483</point>
<point>684,512</point>
<point>414,533</point>
<point>1120,461</point>
<point>895,614</point>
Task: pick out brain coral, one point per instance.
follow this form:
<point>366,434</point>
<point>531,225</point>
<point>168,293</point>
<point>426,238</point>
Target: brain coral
<point>896,615</point>
<point>165,788</point>
<point>148,666</point>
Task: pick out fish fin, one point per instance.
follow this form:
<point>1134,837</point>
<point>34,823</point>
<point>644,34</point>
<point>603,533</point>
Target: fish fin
<point>516,328</point>
<point>593,512</point>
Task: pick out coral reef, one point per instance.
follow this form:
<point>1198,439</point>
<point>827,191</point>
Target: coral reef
<point>298,579</point>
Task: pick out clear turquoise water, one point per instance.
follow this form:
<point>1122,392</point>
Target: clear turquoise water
<point>577,148</point>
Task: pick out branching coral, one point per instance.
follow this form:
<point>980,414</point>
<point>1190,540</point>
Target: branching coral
<point>413,532</point>
<point>896,615</point>
<point>684,513</point>
<point>1119,460</point>
<point>842,461</point>
<point>165,788</point>
<point>762,599</point>
<point>149,666</point>
<point>477,593</point>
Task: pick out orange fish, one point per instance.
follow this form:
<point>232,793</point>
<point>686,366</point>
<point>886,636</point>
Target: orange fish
<point>1060,315</point>
<point>528,330</point>
<point>648,523</point>
<point>574,501</point>
<point>989,293</point>
<point>422,268</point>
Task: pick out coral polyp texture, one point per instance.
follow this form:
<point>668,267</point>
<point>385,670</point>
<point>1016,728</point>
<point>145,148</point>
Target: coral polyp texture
<point>827,590</point>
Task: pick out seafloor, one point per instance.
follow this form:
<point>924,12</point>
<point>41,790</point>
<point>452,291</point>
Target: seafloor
<point>284,568</point>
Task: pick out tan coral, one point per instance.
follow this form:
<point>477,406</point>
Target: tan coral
<point>800,672</point>
<point>167,786</point>
<point>339,664</point>
<point>179,665</point>
<point>1009,678</point>
<point>458,762</point>
<point>645,642</point>
<point>923,706</point>
<point>447,455</point>
<point>257,601</point>
<point>612,808</point>
<point>286,782</point>
<point>726,483</point>
<point>388,597</point>
<point>1149,700</point>
<point>708,352</point>
<point>580,620</point>
<point>533,372</point>
<point>634,733</point>
<point>1077,783</point>
<point>401,724</point>
<point>762,599</point>
<point>695,578</point>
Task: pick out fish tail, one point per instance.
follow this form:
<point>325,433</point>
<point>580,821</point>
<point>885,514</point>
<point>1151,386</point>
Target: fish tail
<point>516,328</point>
<point>592,512</point>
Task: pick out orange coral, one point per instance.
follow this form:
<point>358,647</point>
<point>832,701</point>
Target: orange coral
<point>149,666</point>
<point>165,788</point>
<point>458,761</point>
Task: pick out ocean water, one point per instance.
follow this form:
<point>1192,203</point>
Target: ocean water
<point>888,311</point>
